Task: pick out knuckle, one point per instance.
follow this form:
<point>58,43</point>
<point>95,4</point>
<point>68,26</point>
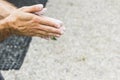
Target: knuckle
<point>46,33</point>
<point>49,29</point>
<point>36,19</point>
<point>50,34</point>
<point>11,21</point>
<point>34,7</point>
<point>53,30</point>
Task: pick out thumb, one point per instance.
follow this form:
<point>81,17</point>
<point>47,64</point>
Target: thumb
<point>32,9</point>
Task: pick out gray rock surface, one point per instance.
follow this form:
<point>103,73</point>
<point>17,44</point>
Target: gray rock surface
<point>89,50</point>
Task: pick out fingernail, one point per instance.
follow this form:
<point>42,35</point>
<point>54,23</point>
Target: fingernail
<point>57,35</point>
<point>43,11</point>
<point>58,25</point>
<point>62,31</point>
<point>40,6</point>
<point>62,28</point>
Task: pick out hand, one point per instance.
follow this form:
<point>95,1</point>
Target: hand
<point>23,22</point>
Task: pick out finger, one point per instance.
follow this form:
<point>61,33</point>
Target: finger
<point>39,13</point>
<point>34,34</point>
<point>49,29</point>
<point>46,37</point>
<point>39,32</point>
<point>63,28</point>
<point>48,21</point>
<point>32,9</point>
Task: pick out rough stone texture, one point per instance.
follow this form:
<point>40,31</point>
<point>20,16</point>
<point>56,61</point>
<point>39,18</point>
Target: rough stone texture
<point>89,50</point>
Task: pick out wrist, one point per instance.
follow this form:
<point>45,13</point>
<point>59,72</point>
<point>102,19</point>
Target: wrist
<point>4,30</point>
<point>3,24</point>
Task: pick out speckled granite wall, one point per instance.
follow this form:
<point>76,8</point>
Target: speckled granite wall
<point>89,50</point>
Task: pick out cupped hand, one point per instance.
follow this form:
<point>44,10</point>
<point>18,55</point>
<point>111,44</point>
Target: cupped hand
<point>23,22</point>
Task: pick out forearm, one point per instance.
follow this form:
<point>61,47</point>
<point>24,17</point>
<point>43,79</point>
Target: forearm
<point>4,31</point>
<point>5,8</point>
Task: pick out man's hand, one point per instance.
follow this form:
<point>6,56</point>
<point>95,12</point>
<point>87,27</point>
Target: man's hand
<point>23,22</point>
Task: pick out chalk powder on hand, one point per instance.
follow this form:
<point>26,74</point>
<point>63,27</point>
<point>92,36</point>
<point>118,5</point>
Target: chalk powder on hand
<point>13,50</point>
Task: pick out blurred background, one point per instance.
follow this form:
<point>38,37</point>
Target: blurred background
<point>89,49</point>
